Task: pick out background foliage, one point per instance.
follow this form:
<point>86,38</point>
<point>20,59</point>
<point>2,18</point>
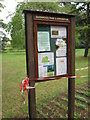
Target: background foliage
<point>16,26</point>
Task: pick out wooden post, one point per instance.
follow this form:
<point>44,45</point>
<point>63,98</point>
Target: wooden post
<point>71,82</point>
<point>30,59</point>
<point>31,20</point>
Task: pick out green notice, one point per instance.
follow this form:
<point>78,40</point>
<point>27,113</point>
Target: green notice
<point>43,41</point>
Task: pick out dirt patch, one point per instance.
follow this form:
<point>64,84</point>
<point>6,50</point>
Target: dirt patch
<point>58,107</point>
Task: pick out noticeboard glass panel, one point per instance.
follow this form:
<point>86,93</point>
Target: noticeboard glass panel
<point>52,50</point>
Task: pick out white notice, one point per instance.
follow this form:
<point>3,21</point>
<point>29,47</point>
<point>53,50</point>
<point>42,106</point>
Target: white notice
<point>43,40</point>
<point>61,47</point>
<point>58,32</point>
<point>61,66</point>
<point>46,64</point>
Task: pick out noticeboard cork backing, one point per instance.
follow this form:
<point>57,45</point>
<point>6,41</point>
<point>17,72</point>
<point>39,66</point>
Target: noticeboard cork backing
<point>49,44</point>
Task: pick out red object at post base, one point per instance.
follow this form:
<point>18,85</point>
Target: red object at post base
<point>26,83</point>
<point>25,86</point>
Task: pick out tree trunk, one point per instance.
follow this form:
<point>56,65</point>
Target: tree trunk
<point>86,49</point>
<point>87,41</point>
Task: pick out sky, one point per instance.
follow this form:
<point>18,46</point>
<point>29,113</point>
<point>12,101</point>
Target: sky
<point>9,9</point>
<point>10,6</point>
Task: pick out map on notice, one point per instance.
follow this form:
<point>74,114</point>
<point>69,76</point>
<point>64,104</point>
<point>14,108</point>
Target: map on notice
<point>46,64</point>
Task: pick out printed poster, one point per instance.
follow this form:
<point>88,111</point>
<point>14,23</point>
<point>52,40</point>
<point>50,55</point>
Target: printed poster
<point>61,66</point>
<point>43,40</point>
<point>61,47</point>
<point>46,64</point>
<point>58,32</point>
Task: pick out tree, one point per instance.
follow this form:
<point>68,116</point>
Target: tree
<point>82,12</point>
<point>84,24</point>
<point>1,5</point>
<point>17,32</point>
<point>17,27</point>
<point>3,38</point>
<point>88,35</point>
<point>4,42</point>
<point>1,21</point>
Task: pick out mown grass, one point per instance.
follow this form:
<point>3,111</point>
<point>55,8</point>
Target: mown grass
<point>79,52</point>
<point>14,70</point>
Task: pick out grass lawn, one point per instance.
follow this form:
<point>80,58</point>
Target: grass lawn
<point>14,70</point>
<point>79,52</point>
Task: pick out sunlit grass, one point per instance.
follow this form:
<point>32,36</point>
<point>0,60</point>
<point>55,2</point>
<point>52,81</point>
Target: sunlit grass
<point>14,70</point>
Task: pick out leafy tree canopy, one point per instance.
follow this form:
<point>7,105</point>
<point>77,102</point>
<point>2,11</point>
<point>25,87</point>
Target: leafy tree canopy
<point>17,27</point>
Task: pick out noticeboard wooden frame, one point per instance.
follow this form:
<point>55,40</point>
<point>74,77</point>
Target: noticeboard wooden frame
<point>32,19</point>
<point>36,53</point>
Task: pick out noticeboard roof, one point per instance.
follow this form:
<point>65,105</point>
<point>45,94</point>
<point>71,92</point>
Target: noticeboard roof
<point>48,13</point>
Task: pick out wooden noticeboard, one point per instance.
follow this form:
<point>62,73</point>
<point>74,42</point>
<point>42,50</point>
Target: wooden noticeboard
<point>50,51</point>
